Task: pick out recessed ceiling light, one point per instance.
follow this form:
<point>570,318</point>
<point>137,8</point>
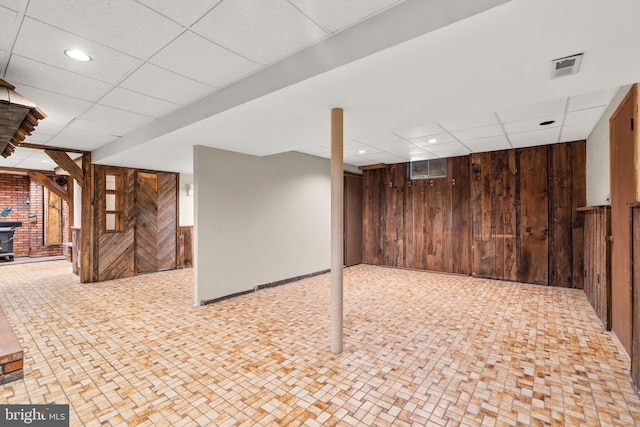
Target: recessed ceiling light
<point>44,161</point>
<point>362,151</point>
<point>547,123</point>
<point>78,55</point>
<point>432,140</point>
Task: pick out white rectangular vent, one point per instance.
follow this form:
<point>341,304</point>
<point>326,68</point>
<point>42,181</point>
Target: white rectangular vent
<point>566,66</point>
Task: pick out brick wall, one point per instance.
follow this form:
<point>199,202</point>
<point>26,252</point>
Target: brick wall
<point>26,197</point>
<point>14,192</point>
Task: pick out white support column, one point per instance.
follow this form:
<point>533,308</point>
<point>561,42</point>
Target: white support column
<point>337,228</point>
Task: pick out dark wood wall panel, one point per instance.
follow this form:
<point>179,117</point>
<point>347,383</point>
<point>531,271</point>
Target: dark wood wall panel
<point>508,214</point>
<point>185,247</point>
<point>597,260</point>
<point>373,216</point>
<point>533,215</point>
<point>352,219</point>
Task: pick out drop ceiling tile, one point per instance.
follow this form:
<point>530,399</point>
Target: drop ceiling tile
<point>355,160</point>
<point>420,131</point>
<point>538,137</point>
<point>45,127</point>
<point>371,137</point>
<point>23,71</point>
<point>101,113</point>
<point>533,124</point>
<point>395,145</point>
<point>11,4</point>
<point>590,115</point>
<point>60,109</point>
<point>423,156</point>
<point>336,14</point>
<point>592,99</point>
<point>475,121</point>
<point>196,57</point>
<point>37,164</point>
<point>450,149</point>
<point>488,144</point>
<point>352,143</point>
<point>532,111</point>
<point>101,127</point>
<point>123,25</point>
<point>80,139</point>
<point>38,138</point>
<point>383,158</point>
<point>576,132</point>
<point>262,31</point>
<point>160,83</point>
<point>482,132</point>
<point>186,12</point>
<point>440,139</point>
<point>7,18</point>
<point>107,65</point>
<point>138,103</point>
<point>357,151</point>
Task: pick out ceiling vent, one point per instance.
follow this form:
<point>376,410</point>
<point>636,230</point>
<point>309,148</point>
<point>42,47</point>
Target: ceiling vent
<point>566,66</point>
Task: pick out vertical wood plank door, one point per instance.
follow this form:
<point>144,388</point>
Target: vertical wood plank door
<point>52,218</point>
<point>635,354</point>
<point>623,141</point>
<point>352,220</point>
<point>156,222</point>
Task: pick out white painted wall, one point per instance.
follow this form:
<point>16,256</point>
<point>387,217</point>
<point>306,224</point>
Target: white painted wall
<point>77,205</point>
<point>598,179</point>
<point>186,201</point>
<point>258,219</point>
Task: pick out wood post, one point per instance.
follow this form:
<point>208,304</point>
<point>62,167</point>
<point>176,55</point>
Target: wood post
<point>86,238</point>
<point>337,228</point>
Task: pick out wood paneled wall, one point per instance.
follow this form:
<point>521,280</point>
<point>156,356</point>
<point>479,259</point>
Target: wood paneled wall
<point>508,214</point>
<point>423,224</point>
<point>597,260</point>
<point>635,325</point>
<point>185,247</point>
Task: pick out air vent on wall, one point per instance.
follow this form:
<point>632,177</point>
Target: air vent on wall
<point>566,66</point>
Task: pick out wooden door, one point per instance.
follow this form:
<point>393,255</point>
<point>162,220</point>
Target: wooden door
<point>623,141</point>
<point>156,222</point>
<point>635,354</point>
<point>52,218</point>
<point>352,220</point>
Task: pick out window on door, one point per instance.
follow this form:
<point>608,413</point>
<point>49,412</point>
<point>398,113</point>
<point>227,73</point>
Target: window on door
<point>114,202</point>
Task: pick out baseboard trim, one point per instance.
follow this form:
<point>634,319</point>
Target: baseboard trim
<point>290,280</point>
<point>256,288</point>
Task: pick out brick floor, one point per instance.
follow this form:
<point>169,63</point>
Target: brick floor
<point>420,349</point>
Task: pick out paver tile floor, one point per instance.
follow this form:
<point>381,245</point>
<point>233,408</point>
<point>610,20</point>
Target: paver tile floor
<point>420,349</point>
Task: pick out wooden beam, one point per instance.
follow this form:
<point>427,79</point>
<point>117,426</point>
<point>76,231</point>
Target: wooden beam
<point>49,182</point>
<point>367,167</point>
<point>47,147</point>
<point>65,162</point>
<point>86,227</point>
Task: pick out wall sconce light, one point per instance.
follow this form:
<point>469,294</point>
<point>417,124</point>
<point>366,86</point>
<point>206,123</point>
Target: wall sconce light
<point>189,190</point>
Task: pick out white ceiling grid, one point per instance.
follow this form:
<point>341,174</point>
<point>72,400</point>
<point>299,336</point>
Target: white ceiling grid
<point>478,84</point>
<point>150,57</point>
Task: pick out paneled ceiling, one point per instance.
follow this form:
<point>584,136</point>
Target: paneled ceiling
<point>417,79</point>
